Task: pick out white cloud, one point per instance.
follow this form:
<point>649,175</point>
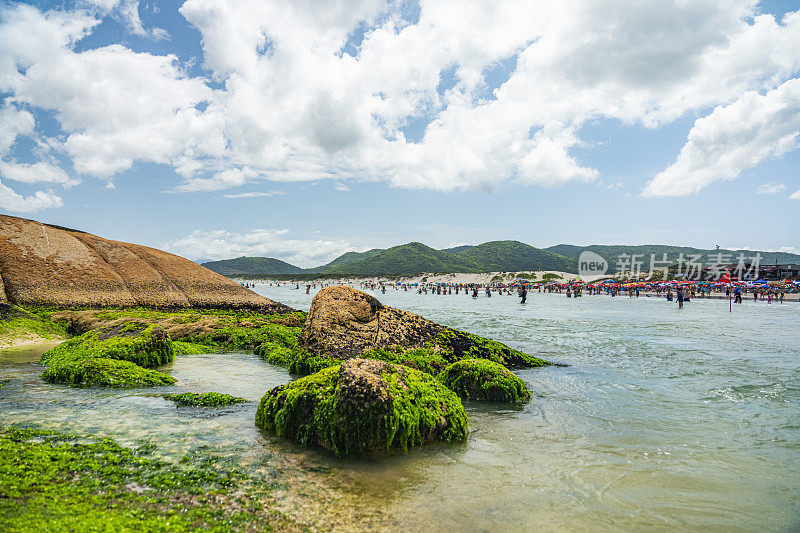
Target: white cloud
<point>733,138</point>
<point>13,123</point>
<point>770,188</point>
<point>795,195</point>
<point>222,244</point>
<point>129,12</point>
<point>298,99</point>
<point>266,194</point>
<point>36,172</point>
<point>14,202</point>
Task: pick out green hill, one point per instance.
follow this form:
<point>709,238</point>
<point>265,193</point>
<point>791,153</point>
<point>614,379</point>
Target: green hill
<point>346,258</point>
<point>495,256</point>
<point>411,258</point>
<point>515,256</point>
<point>252,266</point>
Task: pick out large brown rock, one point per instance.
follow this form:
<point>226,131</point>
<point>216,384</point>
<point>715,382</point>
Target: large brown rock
<point>41,264</point>
<point>344,322</point>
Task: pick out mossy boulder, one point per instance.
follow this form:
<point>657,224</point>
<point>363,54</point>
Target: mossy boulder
<point>344,323</point>
<point>364,407</point>
<point>115,356</point>
<point>203,399</point>
<point>480,379</point>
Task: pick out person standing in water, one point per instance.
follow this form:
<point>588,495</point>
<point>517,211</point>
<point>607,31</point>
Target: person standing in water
<point>679,293</point>
<point>523,293</point>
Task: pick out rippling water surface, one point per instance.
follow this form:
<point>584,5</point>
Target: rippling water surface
<point>664,419</point>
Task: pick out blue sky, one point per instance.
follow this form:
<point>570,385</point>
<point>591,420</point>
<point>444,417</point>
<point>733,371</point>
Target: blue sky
<point>223,128</point>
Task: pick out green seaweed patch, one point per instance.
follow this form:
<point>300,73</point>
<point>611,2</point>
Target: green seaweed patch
<point>275,353</point>
<point>203,399</point>
<point>470,346</point>
<point>116,356</point>
<point>426,359</point>
<point>145,345</point>
<point>57,482</point>
<point>18,322</point>
<point>103,372</point>
<point>481,379</point>
<point>190,348</point>
<point>230,328</point>
<point>404,408</point>
<point>304,363</point>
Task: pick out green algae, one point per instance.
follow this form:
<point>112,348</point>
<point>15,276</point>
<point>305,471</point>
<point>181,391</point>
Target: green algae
<point>314,411</point>
<point>304,363</point>
<point>233,328</point>
<point>144,345</point>
<point>118,356</point>
<point>426,359</point>
<point>20,322</point>
<point>103,372</point>
<point>56,482</point>
<point>204,399</point>
<point>190,348</point>
<point>481,379</point>
<point>465,345</point>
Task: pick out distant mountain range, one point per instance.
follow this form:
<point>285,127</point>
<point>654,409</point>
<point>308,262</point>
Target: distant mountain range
<point>495,256</point>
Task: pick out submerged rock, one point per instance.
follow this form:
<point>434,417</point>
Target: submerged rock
<point>344,322</point>
<point>479,379</point>
<point>116,356</point>
<point>364,406</point>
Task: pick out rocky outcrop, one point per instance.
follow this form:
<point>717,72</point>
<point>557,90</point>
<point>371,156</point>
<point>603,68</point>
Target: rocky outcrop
<point>344,322</point>
<point>363,407</point>
<point>41,264</point>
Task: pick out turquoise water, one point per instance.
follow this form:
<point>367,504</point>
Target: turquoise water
<point>664,419</point>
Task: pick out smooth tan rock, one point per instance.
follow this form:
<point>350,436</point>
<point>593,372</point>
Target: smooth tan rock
<point>42,264</point>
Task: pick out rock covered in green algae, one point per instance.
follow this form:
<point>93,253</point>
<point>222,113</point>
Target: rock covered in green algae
<point>480,379</point>
<point>203,399</point>
<point>344,322</point>
<point>105,373</point>
<point>364,406</point>
<point>116,356</point>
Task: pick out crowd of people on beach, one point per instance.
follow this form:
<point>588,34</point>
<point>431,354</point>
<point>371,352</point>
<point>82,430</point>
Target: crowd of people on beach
<point>678,291</point>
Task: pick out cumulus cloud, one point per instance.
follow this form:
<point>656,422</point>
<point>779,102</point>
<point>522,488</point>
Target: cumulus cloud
<point>770,188</point>
<point>36,172</point>
<point>11,201</point>
<point>459,95</point>
<point>13,123</point>
<point>734,138</point>
<point>222,244</point>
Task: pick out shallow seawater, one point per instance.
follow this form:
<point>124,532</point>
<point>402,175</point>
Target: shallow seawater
<point>664,419</point>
